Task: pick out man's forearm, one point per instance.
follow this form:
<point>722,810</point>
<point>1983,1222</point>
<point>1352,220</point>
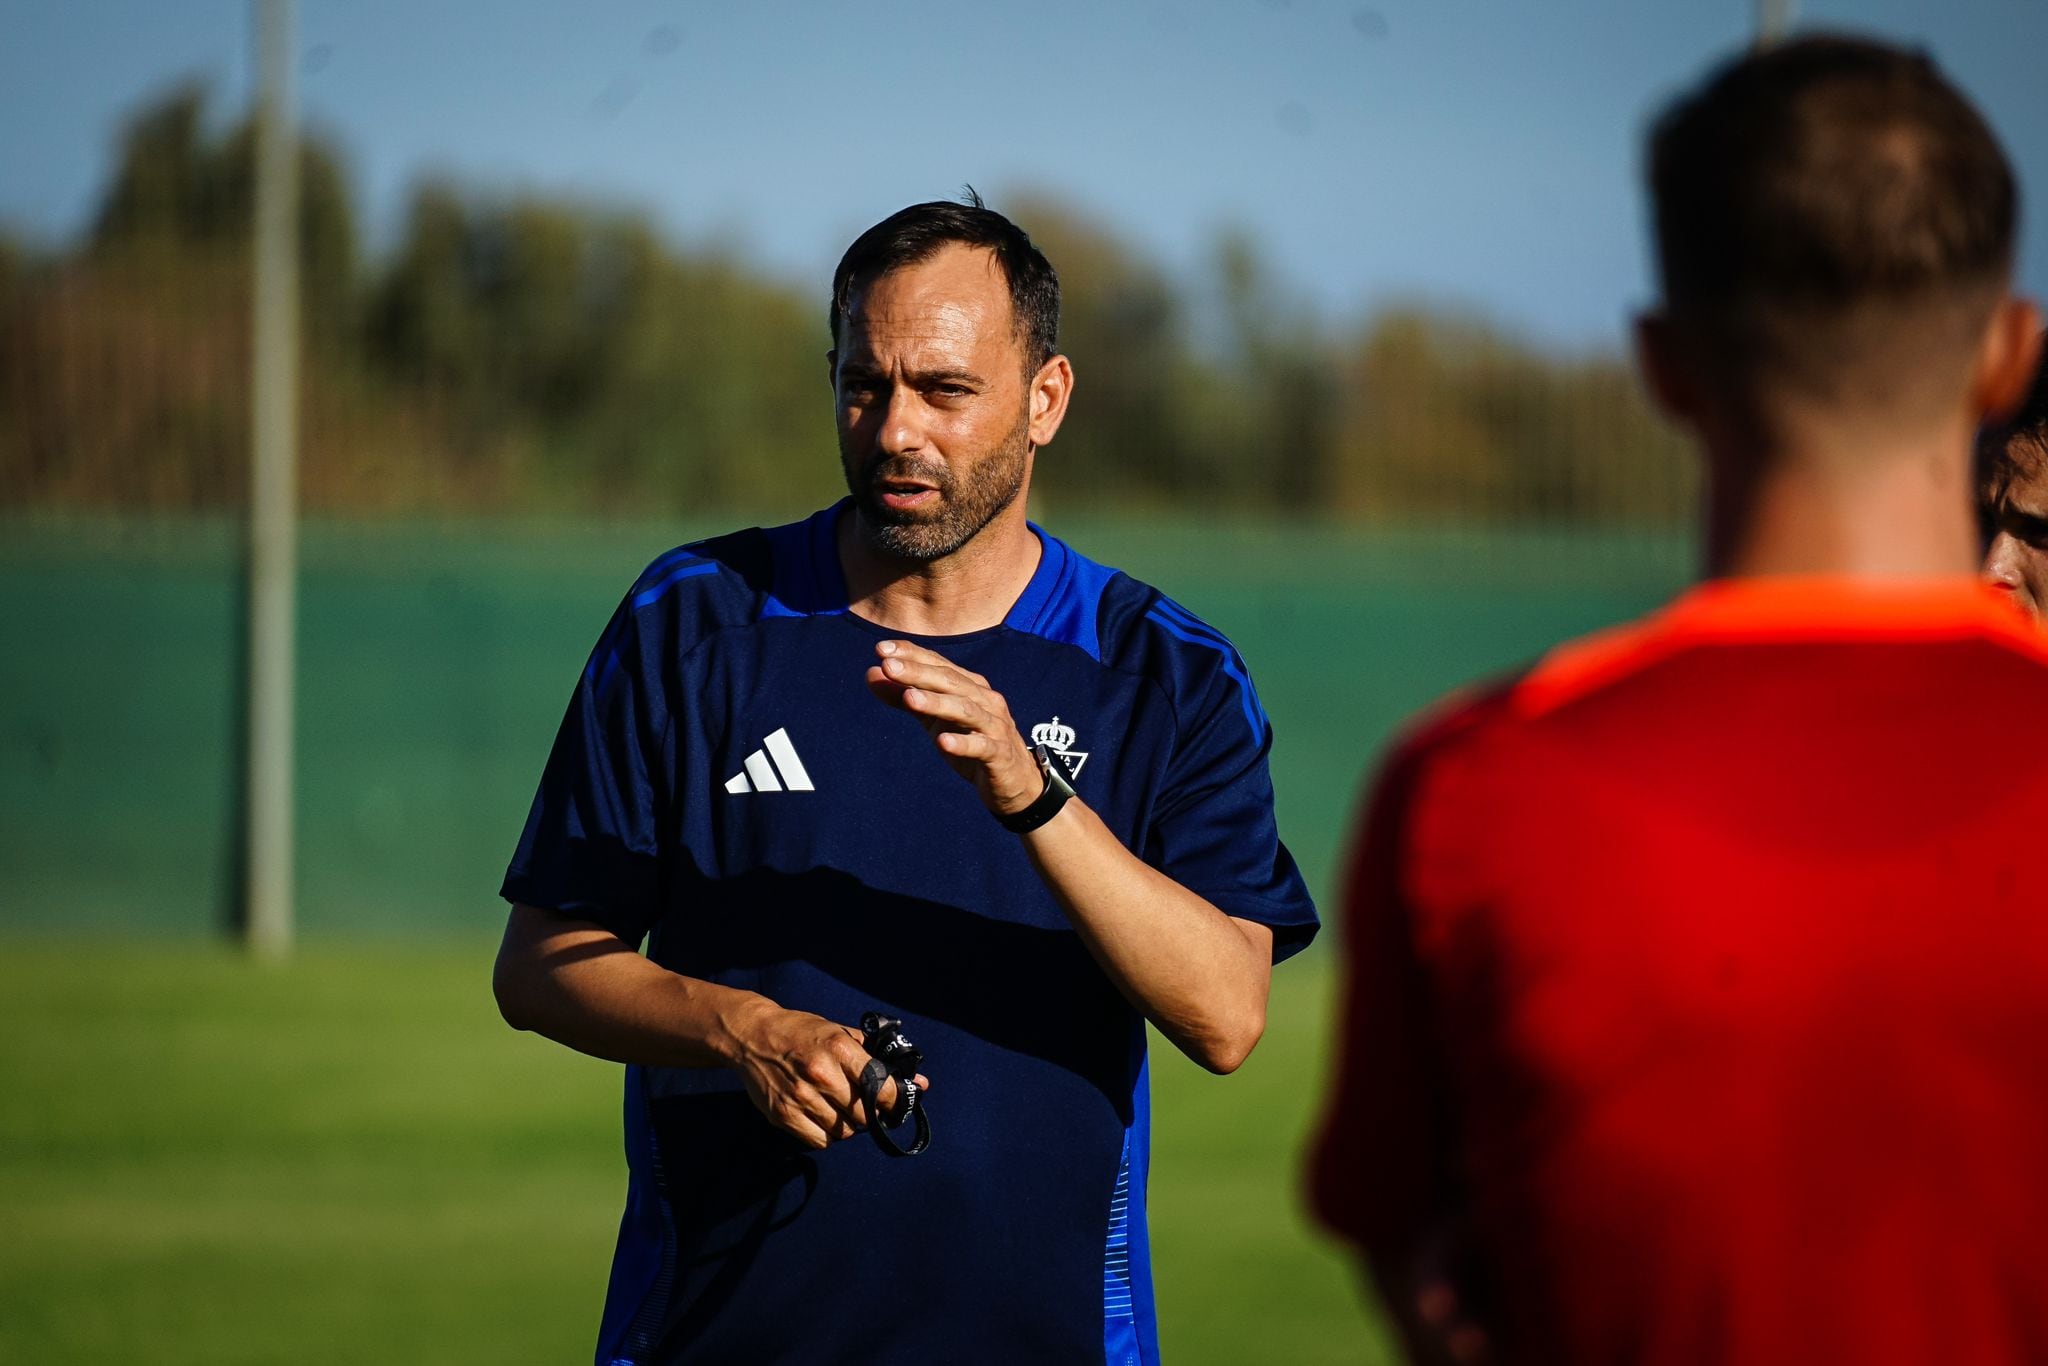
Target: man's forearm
<point>1201,976</point>
<point>1198,974</point>
<point>581,985</point>
<point>577,983</point>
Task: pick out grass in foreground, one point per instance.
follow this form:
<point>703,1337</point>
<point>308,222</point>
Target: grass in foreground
<point>349,1158</point>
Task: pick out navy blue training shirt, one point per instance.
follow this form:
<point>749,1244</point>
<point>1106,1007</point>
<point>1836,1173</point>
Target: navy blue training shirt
<point>725,785</point>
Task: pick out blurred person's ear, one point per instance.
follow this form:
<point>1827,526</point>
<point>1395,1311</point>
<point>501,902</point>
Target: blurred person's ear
<point>1660,356</point>
<point>2007,360</point>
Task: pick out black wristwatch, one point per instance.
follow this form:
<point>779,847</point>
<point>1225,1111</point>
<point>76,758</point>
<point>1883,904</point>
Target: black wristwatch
<point>1057,791</point>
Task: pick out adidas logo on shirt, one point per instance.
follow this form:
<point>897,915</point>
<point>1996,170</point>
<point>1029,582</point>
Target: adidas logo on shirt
<point>772,768</point>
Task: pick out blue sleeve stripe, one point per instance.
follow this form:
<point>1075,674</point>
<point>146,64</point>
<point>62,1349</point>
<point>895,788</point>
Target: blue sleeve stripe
<point>1254,714</point>
<point>603,679</point>
<point>652,594</point>
<point>611,632</point>
<point>604,656</point>
<point>669,557</point>
<point>1194,628</point>
<point>1190,621</point>
<point>604,660</point>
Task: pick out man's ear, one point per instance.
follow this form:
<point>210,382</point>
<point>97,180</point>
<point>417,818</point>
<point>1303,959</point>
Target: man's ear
<point>1050,390</point>
<point>2008,358</point>
<point>1660,357</point>
<point>832,368</point>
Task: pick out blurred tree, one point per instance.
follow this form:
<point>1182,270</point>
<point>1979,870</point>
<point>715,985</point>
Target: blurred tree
<point>178,193</point>
<point>1127,435</point>
<point>544,355</point>
<point>1444,417</point>
<point>165,185</point>
<point>1282,379</point>
<point>570,341</point>
<point>126,361</point>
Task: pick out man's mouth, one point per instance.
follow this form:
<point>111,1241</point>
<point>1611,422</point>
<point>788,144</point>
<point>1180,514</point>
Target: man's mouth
<point>902,495</point>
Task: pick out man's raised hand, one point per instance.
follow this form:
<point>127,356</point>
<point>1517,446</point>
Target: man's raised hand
<point>967,719</point>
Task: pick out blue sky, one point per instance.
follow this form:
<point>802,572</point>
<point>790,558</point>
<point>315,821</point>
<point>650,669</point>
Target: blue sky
<point>1477,152</point>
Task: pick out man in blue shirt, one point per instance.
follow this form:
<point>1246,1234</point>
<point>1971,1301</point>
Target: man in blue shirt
<point>753,777</point>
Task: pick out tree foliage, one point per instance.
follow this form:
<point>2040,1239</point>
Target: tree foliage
<point>538,355</point>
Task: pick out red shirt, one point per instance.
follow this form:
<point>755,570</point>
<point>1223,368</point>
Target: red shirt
<point>1704,969</point>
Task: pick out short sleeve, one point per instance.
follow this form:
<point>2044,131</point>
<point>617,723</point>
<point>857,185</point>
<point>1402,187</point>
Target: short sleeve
<point>592,845</point>
<point>1214,831</point>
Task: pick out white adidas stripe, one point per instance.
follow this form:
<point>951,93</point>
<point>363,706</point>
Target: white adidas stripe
<point>784,752</point>
<point>762,772</point>
<point>771,768</point>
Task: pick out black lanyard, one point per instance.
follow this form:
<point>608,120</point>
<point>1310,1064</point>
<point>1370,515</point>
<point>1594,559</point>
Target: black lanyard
<point>890,1054</point>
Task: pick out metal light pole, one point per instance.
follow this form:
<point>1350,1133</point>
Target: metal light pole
<point>273,489</point>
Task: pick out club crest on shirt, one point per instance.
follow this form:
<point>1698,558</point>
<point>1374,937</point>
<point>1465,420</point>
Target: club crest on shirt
<point>1060,740</point>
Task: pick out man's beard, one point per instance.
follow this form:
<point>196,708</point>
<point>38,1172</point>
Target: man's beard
<point>964,505</point>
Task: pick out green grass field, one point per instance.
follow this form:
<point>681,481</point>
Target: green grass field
<point>205,1162</point>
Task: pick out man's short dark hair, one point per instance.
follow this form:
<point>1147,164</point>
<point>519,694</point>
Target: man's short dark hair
<point>917,233</point>
<point>1820,179</point>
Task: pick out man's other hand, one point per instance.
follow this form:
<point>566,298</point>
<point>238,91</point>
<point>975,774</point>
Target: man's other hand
<point>967,719</point>
<point>803,1072</point>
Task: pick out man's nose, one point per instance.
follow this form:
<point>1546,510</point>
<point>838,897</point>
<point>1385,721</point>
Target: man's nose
<point>2002,562</point>
<point>902,429</point>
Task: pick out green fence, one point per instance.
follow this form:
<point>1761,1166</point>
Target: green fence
<point>434,662</point>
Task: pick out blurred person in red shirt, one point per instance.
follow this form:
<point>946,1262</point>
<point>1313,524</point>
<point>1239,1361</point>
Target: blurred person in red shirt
<point>1697,995</point>
<point>2014,500</point>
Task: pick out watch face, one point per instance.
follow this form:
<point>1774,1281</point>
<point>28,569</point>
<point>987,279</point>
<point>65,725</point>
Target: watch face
<point>1055,776</point>
<point>1048,802</point>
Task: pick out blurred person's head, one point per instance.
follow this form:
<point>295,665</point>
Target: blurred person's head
<point>945,326</point>
<point>1834,228</point>
<point>2013,496</point>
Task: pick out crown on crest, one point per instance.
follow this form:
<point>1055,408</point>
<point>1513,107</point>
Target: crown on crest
<point>1053,735</point>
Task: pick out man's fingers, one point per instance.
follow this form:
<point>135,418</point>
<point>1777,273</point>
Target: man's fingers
<point>809,1083</point>
<point>827,1074</point>
<point>935,677</point>
<point>910,649</point>
<point>918,654</point>
<point>960,711</point>
<point>834,1119</point>
<point>884,687</point>
<point>850,1121</point>
<point>807,1130</point>
<point>854,1058</point>
<point>969,745</point>
<point>891,1095</point>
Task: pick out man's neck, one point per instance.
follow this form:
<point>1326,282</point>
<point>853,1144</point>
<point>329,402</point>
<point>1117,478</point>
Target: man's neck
<point>971,589</point>
<point>1880,507</point>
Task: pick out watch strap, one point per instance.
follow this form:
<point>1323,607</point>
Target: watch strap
<point>1048,803</point>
